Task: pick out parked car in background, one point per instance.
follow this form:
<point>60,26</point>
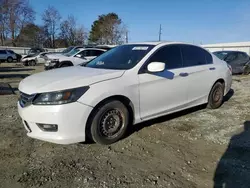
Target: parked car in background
<point>35,50</point>
<point>33,59</point>
<point>126,85</point>
<point>239,61</point>
<point>74,57</point>
<point>18,56</point>
<point>5,55</point>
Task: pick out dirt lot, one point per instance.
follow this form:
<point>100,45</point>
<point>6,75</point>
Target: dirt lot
<point>186,149</point>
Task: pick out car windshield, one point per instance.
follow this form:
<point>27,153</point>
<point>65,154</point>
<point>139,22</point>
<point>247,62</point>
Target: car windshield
<point>122,57</point>
<point>67,50</point>
<point>72,52</point>
<point>221,55</point>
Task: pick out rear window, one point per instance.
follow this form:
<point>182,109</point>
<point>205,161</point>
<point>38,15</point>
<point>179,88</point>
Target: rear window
<point>221,55</point>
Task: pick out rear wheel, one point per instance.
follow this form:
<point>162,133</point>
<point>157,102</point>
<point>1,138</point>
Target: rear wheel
<point>9,59</point>
<point>109,123</point>
<point>216,95</point>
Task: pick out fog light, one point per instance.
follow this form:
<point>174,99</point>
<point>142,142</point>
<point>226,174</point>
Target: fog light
<point>48,127</point>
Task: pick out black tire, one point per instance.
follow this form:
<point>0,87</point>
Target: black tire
<point>216,96</point>
<point>9,59</point>
<point>108,123</point>
<point>32,63</point>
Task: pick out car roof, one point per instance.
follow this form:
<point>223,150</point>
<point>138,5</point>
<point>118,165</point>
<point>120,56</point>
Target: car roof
<point>155,43</point>
<point>228,51</point>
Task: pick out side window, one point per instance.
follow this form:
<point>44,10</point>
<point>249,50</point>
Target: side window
<point>209,58</point>
<point>231,57</point>
<point>193,56</point>
<point>3,52</point>
<point>96,52</point>
<point>87,53</point>
<point>170,55</point>
<point>84,53</point>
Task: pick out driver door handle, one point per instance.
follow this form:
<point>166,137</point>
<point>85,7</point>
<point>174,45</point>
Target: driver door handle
<point>183,74</point>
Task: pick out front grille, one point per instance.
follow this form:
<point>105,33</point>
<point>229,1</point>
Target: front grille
<point>26,99</point>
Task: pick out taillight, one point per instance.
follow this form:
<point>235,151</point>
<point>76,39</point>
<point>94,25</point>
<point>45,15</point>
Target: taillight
<point>230,68</point>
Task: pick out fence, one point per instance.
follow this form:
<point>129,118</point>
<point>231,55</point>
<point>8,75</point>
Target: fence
<point>24,50</point>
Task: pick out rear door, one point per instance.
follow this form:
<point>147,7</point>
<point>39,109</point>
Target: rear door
<point>198,64</point>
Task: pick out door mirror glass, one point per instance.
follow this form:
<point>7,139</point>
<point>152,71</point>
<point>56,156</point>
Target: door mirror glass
<point>156,67</point>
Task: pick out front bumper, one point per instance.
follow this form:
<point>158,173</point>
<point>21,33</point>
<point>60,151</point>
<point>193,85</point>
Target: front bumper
<point>49,66</point>
<point>70,118</point>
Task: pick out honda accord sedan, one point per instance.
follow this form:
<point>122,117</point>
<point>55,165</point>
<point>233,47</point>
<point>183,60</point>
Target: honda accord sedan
<point>126,85</point>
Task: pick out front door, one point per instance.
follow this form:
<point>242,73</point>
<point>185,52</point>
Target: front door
<point>164,92</point>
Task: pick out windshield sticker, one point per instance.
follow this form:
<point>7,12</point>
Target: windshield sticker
<point>140,48</point>
<point>100,63</point>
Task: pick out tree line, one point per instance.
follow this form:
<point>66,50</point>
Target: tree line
<point>18,27</point>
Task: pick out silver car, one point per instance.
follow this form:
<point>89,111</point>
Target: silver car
<point>7,56</point>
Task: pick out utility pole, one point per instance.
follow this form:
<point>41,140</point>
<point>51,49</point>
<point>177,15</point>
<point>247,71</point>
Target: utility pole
<point>126,36</point>
<point>160,33</point>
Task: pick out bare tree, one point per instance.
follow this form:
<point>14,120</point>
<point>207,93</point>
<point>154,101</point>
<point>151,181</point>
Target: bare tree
<point>15,14</point>
<point>70,33</point>
<point>51,19</point>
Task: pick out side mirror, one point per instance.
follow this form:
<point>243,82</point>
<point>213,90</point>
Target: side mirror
<point>78,55</point>
<point>156,67</point>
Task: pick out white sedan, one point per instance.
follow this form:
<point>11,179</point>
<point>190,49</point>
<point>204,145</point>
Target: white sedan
<point>74,57</point>
<point>127,85</point>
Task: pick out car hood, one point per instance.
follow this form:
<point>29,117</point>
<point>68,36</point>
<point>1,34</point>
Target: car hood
<point>66,78</point>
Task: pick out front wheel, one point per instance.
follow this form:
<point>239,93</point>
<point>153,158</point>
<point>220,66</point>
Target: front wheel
<point>216,95</point>
<point>32,63</point>
<point>109,123</point>
<point>9,59</point>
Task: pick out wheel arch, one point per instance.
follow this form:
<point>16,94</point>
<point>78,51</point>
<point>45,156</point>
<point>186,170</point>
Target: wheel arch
<point>220,80</point>
<point>69,63</point>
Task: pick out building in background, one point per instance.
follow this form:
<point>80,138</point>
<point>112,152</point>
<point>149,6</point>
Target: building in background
<point>235,46</point>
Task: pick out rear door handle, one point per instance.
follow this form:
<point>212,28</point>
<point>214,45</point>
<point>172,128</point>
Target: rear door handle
<point>183,74</point>
<point>212,68</point>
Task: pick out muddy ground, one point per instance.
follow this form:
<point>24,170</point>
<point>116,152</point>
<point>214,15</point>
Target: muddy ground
<point>186,149</point>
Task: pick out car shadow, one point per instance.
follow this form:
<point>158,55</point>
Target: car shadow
<point>14,75</point>
<point>14,70</point>
<point>140,126</point>
<point>229,95</point>
<point>6,89</point>
<point>233,169</point>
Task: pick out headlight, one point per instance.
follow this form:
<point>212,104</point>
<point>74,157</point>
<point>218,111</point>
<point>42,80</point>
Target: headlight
<point>60,97</point>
